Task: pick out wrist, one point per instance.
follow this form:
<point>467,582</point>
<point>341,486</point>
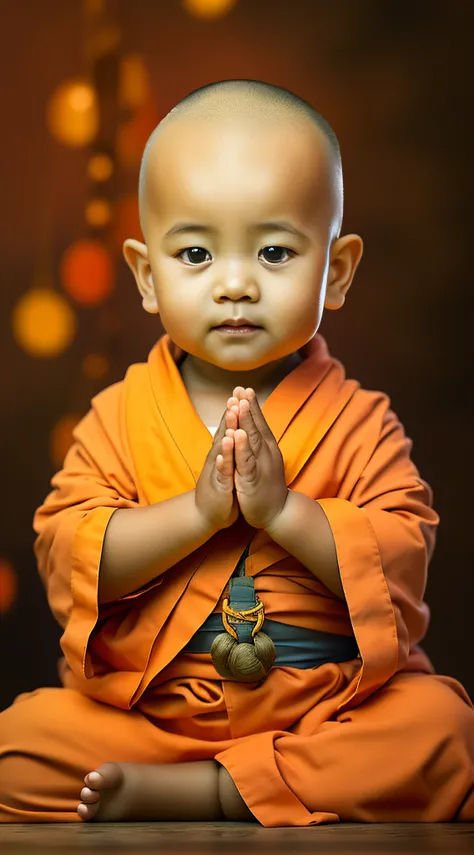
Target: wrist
<point>204,526</point>
<point>272,526</point>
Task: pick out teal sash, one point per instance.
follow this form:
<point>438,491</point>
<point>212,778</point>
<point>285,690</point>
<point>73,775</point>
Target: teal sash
<point>295,646</point>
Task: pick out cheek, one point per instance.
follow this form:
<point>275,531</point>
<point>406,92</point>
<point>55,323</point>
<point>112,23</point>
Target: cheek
<point>181,314</point>
<point>174,298</point>
<point>305,312</point>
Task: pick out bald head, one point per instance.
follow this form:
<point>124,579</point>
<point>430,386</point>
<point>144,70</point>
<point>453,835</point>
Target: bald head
<point>255,101</point>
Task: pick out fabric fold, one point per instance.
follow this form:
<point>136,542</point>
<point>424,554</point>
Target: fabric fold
<point>272,797</point>
<point>290,739</point>
<point>143,442</point>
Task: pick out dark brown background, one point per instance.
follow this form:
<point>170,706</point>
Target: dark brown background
<point>393,78</point>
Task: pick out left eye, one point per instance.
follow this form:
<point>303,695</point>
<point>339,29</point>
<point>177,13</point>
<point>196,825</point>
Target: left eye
<point>274,258</point>
<point>194,254</point>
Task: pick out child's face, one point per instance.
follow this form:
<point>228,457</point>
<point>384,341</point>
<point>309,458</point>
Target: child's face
<point>228,178</point>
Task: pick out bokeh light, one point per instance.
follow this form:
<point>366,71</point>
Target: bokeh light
<point>100,167</point>
<point>133,136</point>
<point>98,212</point>
<point>134,82</point>
<point>8,586</point>
<point>72,114</point>
<point>87,272</point>
<point>94,7</point>
<point>208,8</point>
<point>61,438</point>
<point>95,366</point>
<point>105,40</point>
<point>43,323</point>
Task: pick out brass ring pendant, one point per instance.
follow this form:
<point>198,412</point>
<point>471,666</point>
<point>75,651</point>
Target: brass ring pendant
<point>255,614</point>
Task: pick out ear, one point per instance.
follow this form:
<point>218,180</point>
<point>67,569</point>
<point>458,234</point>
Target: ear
<point>346,252</point>
<point>136,256</point>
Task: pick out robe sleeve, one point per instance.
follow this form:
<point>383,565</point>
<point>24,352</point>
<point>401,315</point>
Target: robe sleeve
<point>95,481</point>
<point>384,534</point>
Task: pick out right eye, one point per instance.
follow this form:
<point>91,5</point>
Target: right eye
<point>194,254</point>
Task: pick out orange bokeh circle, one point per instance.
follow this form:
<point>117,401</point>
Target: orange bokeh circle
<point>208,8</point>
<point>8,586</point>
<point>133,135</point>
<point>127,220</point>
<point>87,272</point>
<point>134,82</point>
<point>100,167</point>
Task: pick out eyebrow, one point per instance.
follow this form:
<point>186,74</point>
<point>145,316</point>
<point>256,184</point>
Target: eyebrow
<point>280,226</point>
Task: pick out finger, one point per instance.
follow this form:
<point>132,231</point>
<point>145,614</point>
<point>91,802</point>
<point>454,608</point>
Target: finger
<point>245,413</point>
<point>222,472</point>
<point>239,392</point>
<point>238,449</point>
<point>233,406</point>
<point>258,418</point>
<point>244,456</point>
<point>232,420</point>
<point>225,458</point>
<point>230,433</point>
<point>244,408</point>
<point>247,393</point>
<point>246,422</point>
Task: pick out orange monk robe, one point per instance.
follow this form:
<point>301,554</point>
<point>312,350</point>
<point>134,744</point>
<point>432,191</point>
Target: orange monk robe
<point>380,738</point>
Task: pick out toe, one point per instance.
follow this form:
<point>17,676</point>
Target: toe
<point>87,812</point>
<point>105,777</point>
<point>89,796</point>
<point>94,781</point>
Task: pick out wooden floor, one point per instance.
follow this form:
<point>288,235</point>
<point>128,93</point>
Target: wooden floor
<point>201,838</point>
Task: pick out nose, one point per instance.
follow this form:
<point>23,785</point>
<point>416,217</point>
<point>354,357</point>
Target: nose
<point>236,279</point>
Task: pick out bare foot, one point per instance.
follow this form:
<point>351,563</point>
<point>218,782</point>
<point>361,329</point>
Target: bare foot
<point>134,792</point>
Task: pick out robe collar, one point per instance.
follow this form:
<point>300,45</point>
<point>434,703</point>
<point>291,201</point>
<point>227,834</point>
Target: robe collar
<point>280,408</point>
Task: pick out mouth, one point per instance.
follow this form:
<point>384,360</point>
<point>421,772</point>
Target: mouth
<point>243,329</point>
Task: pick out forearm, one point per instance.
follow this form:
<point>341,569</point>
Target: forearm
<point>303,530</point>
<point>142,543</point>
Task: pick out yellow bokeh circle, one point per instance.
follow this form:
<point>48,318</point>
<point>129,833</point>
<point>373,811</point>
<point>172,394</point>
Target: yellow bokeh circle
<point>208,8</point>
<point>43,323</point>
<point>72,114</point>
<point>98,212</point>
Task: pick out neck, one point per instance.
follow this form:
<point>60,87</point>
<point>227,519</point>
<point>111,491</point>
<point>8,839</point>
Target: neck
<point>203,376</point>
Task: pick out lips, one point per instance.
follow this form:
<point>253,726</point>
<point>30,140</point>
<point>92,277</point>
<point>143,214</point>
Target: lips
<point>236,323</point>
